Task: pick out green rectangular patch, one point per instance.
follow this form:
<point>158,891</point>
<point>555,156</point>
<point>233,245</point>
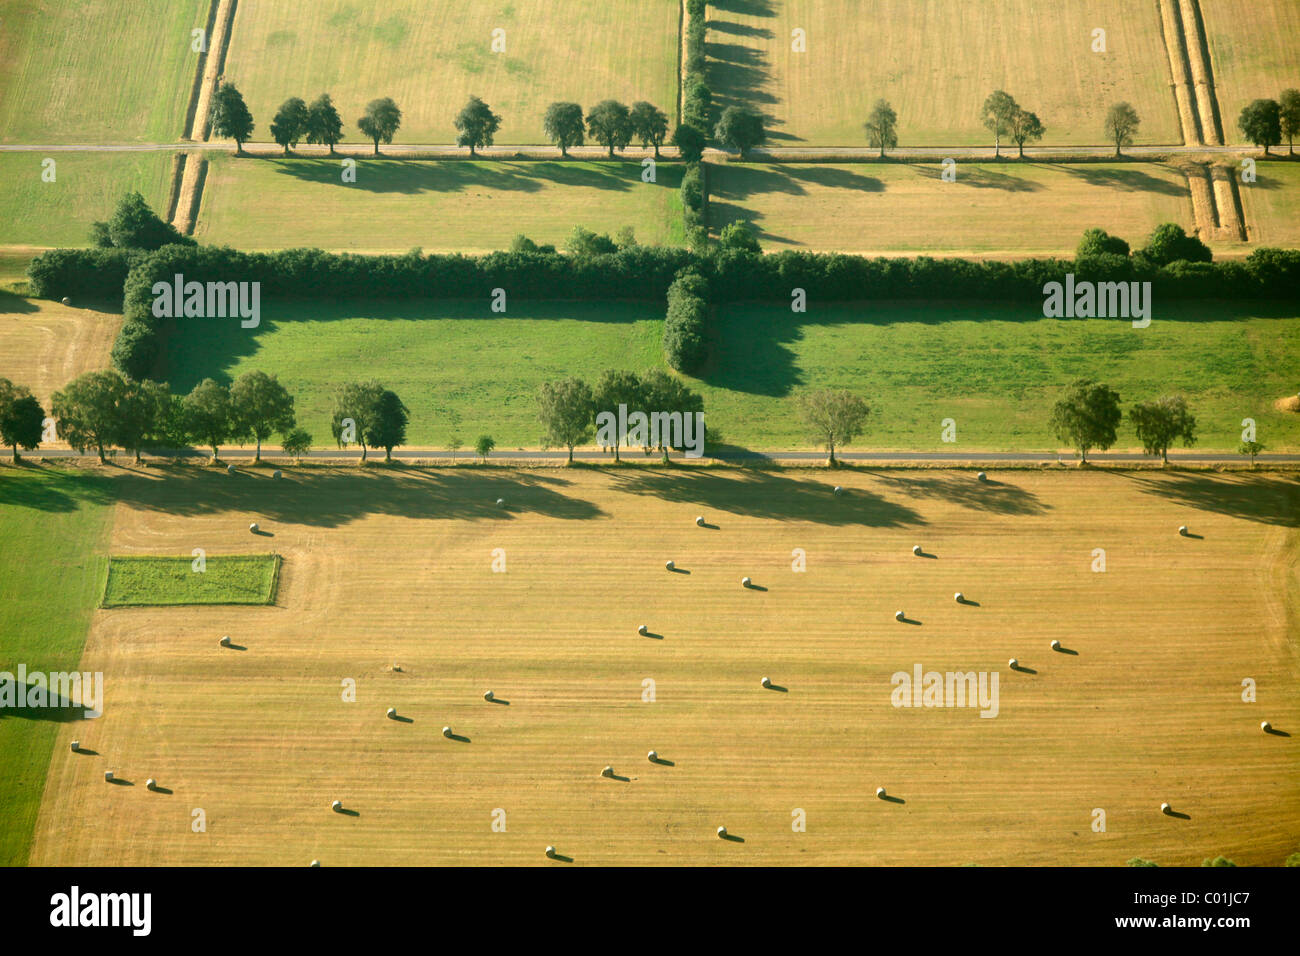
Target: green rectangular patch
<point>157,581</point>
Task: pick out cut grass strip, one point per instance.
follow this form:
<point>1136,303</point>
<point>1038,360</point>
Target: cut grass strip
<point>157,581</point>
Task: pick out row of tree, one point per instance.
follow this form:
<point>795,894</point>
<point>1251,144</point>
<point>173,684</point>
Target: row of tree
<point>567,409</point>
<point>1266,122</point>
<point>100,410</point>
<point>610,123</point>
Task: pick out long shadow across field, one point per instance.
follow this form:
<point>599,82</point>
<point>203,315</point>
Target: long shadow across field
<point>770,495</point>
<point>1267,499</point>
<point>335,497</point>
<point>412,177</point>
<point>999,497</point>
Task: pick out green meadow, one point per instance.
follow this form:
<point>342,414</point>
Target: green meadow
<point>158,580</point>
<point>54,528</point>
<point>463,371</point>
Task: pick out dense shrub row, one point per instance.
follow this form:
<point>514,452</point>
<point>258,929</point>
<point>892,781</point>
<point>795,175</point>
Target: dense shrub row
<point>724,274</point>
<point>685,323</point>
<point>97,274</point>
<point>697,97</point>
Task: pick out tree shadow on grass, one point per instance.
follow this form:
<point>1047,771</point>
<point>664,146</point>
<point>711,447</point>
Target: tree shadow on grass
<point>960,489</point>
<point>194,352</point>
<point>51,489</point>
<point>1125,179</point>
<point>975,177</point>
<point>334,497</point>
<point>13,304</point>
<point>769,495</point>
<point>1268,499</point>
<point>745,8</point>
<point>58,709</point>
<point>413,177</point>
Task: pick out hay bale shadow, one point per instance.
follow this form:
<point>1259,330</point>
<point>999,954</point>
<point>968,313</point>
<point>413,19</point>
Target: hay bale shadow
<point>560,858</point>
<point>652,634</point>
<point>908,620</point>
<point>234,647</point>
<point>676,570</point>
<point>158,789</point>
<point>755,587</point>
<point>499,700</point>
<point>662,762</point>
<point>1024,670</point>
<point>402,719</point>
<point>1274,732</point>
<point>121,782</point>
<point>1177,814</point>
<point>732,838</point>
<point>778,688</point>
<point>890,798</point>
<point>969,603</point>
<point>1066,650</point>
<point>459,738</point>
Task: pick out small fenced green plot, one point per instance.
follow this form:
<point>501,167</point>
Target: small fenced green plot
<point>148,580</point>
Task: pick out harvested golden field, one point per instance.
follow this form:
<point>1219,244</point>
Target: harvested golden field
<point>1141,705</point>
<point>1254,51</point>
<point>936,61</point>
<point>44,345</point>
<point>1001,210</point>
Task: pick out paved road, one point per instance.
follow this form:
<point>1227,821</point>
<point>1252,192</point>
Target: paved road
<point>231,455</point>
<point>850,153</point>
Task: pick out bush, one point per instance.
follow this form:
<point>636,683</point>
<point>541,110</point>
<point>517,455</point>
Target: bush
<point>1098,242</point>
<point>1169,243</point>
<point>684,326</point>
<point>83,273</point>
<point>693,188</point>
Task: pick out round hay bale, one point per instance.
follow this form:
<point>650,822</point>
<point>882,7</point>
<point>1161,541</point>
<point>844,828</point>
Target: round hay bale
<point>700,520</point>
<point>1164,808</point>
<point>916,549</point>
<point>1182,529</point>
<point>722,832</point>
<point>446,731</point>
<point>839,490</point>
<point>66,301</point>
<point>607,772</point>
<point>488,695</point>
<point>151,784</point>
<point>899,615</point>
<point>225,641</point>
<point>982,477</point>
<point>766,682</point>
<point>1056,645</point>
<point>501,502</point>
<point>550,852</point>
<point>392,712</point>
<point>253,527</point>
<point>669,565</point>
<point>336,806</point>
<point>880,792</point>
<point>108,775</point>
<point>315,862</point>
<point>643,630</point>
<point>75,746</point>
<point>276,474</point>
<point>1013,663</point>
<point>230,469</point>
<point>745,582</point>
<point>397,668</point>
<point>959,597</point>
<point>1265,726</point>
<point>652,756</point>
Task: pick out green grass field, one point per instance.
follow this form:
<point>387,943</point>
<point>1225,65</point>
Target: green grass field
<point>466,372</point>
<point>936,61</point>
<point>54,526</point>
<point>439,206</point>
<point>165,581</point>
<point>96,71</point>
<point>462,372</point>
<point>86,188</point>
<point>1002,210</point>
<point>432,55</point>
<point>1254,53</point>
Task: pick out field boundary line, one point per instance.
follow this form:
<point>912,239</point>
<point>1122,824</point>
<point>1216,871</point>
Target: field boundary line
<point>683,18</point>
